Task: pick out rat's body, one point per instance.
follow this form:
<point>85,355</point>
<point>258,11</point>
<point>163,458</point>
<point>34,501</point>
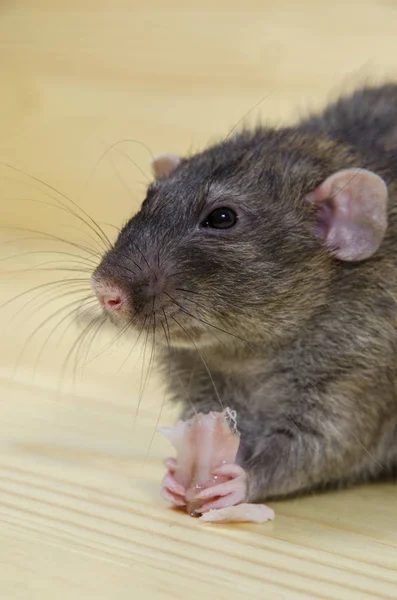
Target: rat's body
<point>299,334</point>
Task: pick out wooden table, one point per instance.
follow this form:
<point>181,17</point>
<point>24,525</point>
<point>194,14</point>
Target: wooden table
<point>80,513</point>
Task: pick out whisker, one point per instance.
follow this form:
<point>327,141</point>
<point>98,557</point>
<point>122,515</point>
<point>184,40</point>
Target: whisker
<point>109,344</point>
<point>134,345</point>
<point>146,176</point>
<point>203,322</point>
<point>165,332</point>
<point>186,299</point>
<point>106,152</point>
<point>161,407</point>
<point>182,386</point>
<point>137,142</point>
<point>127,269</point>
<point>59,324</point>
<point>58,282</point>
<point>20,254</point>
<point>95,246</point>
<point>205,326</point>
<point>112,226</point>
<point>84,338</point>
<point>142,382</point>
<point>194,292</point>
<point>42,324</point>
<point>41,268</point>
<point>60,204</point>
<point>179,273</point>
<point>32,305</point>
<point>144,258</point>
<point>221,145</point>
<point>63,208</point>
<point>88,310</point>
<point>167,324</point>
<point>152,353</point>
<point>246,115</point>
<point>18,240</point>
<point>70,353</point>
<point>91,342</point>
<point>100,232</point>
<point>52,237</point>
<point>143,345</point>
<point>202,360</point>
<point>120,178</point>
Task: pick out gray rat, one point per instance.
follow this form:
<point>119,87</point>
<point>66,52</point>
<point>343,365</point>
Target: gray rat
<point>264,270</point>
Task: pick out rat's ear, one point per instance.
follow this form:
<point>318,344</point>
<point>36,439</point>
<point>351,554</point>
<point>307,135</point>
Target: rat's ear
<point>164,164</point>
<point>351,213</point>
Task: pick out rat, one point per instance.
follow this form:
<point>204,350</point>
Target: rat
<point>264,271</point>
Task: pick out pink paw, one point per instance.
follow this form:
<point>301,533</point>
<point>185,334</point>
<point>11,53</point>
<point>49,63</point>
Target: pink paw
<point>227,493</point>
<point>171,490</point>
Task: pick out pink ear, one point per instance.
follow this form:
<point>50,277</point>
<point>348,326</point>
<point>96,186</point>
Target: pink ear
<point>352,213</point>
<point>164,164</point>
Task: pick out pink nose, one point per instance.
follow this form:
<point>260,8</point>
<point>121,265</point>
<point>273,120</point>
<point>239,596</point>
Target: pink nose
<point>110,301</point>
<point>109,297</point>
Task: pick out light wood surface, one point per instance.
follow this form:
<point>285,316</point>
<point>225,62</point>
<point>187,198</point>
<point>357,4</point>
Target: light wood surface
<point>80,513</point>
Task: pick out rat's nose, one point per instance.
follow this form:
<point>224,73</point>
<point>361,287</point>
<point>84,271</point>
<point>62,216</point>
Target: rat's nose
<point>111,301</point>
<point>109,296</point>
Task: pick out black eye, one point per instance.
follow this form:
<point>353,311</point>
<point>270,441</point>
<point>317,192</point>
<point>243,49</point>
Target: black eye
<point>221,218</point>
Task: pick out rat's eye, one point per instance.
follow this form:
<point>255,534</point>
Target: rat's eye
<point>221,218</point>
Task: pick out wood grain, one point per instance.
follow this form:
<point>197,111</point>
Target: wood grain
<point>80,463</point>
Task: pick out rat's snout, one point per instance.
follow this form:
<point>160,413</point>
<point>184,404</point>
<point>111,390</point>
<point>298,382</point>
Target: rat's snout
<point>110,296</point>
<point>143,292</point>
<point>134,296</point>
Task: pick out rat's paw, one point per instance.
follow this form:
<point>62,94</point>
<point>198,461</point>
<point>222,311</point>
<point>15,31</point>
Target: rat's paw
<point>228,493</point>
<point>171,490</point>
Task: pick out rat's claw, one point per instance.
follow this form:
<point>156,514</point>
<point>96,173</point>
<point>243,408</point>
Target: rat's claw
<point>171,484</point>
<point>227,493</point>
<point>224,489</point>
<point>173,491</point>
<point>231,499</point>
<point>231,471</point>
<point>174,499</point>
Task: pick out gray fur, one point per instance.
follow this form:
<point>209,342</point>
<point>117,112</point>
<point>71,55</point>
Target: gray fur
<point>302,346</point>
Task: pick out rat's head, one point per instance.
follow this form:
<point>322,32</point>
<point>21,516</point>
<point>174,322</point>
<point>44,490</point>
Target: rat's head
<point>241,241</point>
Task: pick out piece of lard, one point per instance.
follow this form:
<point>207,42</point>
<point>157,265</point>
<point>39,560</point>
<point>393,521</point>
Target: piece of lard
<point>203,444</point>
